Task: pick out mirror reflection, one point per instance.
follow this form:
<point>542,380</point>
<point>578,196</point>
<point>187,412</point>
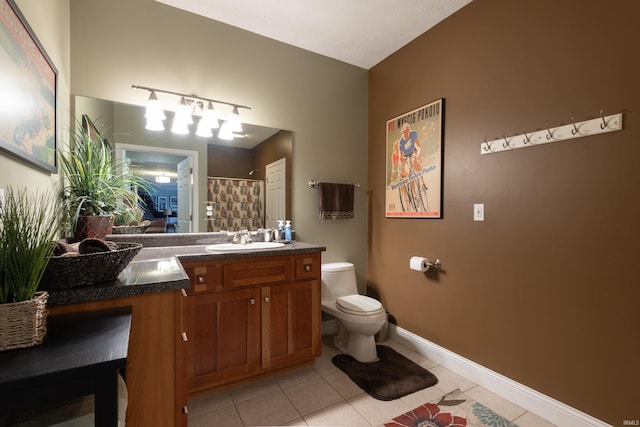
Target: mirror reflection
<point>199,184</point>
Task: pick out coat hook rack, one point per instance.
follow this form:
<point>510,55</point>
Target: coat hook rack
<point>603,124</point>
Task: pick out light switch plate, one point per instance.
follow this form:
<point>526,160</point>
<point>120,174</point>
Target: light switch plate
<point>478,212</point>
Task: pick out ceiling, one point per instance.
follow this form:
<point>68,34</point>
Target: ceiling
<point>358,32</point>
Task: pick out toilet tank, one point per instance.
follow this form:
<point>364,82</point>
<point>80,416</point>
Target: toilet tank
<point>338,279</point>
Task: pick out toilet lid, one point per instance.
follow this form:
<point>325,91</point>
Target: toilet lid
<point>358,304</point>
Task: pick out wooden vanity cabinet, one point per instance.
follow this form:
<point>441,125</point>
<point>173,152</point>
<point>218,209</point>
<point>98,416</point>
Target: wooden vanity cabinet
<point>248,316</point>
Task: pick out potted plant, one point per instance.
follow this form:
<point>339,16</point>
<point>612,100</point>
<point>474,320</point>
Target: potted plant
<point>95,188</point>
<point>28,225</point>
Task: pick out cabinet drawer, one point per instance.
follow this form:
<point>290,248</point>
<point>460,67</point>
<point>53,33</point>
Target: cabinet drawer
<point>204,277</point>
<point>308,267</point>
<point>258,271</point>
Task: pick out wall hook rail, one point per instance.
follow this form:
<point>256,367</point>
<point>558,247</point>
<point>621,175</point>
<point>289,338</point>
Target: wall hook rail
<point>602,124</point>
<point>549,134</point>
<point>487,147</point>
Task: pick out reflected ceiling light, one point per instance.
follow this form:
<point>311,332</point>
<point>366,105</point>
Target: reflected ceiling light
<point>191,105</point>
<point>163,179</point>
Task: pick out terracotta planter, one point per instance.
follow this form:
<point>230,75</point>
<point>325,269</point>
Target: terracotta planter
<point>93,226</point>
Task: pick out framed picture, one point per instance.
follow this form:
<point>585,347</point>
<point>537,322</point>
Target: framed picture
<point>28,87</point>
<point>173,201</point>
<point>162,203</point>
<point>92,131</point>
<point>414,163</point>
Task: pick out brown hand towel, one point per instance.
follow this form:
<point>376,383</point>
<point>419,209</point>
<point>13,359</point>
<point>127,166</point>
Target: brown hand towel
<point>61,248</point>
<point>92,245</point>
<point>335,200</point>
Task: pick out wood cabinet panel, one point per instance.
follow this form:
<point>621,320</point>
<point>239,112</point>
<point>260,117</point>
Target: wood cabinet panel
<point>223,336</point>
<point>290,323</point>
<point>258,271</point>
<point>254,315</point>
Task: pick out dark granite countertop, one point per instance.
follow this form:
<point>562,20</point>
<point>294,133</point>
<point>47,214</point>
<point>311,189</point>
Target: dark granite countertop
<point>200,253</point>
<point>158,269</point>
<point>140,277</point>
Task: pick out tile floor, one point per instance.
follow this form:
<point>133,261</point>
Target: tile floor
<point>322,395</point>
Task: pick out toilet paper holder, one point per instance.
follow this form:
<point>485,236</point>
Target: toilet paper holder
<point>423,264</point>
<point>437,264</point>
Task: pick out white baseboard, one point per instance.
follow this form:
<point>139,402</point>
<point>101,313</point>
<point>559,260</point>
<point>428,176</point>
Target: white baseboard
<point>546,407</point>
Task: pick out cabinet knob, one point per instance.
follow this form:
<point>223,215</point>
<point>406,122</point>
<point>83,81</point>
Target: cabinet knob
<point>252,301</point>
<point>184,337</point>
<point>266,299</point>
<point>307,267</point>
<point>183,292</point>
<point>200,279</point>
<point>185,410</point>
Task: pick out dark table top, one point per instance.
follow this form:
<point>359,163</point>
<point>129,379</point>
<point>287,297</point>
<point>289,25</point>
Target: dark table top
<point>75,345</point>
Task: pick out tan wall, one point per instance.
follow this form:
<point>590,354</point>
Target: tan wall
<point>545,290</point>
<point>50,22</point>
<point>118,43</point>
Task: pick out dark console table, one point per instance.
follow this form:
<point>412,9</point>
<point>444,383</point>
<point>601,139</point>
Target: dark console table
<point>81,355</point>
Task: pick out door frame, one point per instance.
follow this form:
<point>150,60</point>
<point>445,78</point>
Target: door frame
<point>121,149</point>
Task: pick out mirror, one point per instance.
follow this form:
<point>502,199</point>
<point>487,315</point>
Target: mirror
<point>230,189</point>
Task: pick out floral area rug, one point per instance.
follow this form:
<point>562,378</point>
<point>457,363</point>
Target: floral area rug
<point>453,409</point>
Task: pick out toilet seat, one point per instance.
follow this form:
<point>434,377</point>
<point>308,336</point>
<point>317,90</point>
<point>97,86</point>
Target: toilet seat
<point>359,305</point>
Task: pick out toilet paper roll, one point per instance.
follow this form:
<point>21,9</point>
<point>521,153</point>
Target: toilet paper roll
<point>419,264</point>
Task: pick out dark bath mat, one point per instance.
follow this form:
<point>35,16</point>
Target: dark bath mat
<point>390,377</point>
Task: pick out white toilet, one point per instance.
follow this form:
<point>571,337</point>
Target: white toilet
<point>359,317</point>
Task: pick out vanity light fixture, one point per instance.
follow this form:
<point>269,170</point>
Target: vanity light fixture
<point>190,105</point>
<point>155,114</point>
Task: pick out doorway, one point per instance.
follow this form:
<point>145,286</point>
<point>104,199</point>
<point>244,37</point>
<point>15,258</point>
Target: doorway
<point>186,199</point>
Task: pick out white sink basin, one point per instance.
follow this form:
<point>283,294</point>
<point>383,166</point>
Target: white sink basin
<point>226,247</point>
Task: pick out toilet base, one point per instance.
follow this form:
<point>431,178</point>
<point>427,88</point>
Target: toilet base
<point>360,347</point>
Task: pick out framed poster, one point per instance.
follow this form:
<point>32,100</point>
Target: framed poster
<point>162,203</point>
<point>90,128</point>
<point>173,201</point>
<point>414,163</point>
<point>28,88</point>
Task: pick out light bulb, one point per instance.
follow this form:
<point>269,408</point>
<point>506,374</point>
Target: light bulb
<point>225,132</point>
<point>204,129</point>
<point>234,121</point>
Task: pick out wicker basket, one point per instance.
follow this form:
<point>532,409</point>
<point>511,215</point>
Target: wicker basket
<point>23,324</point>
<point>65,272</point>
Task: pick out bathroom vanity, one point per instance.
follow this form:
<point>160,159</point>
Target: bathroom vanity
<point>203,319</point>
<point>244,317</point>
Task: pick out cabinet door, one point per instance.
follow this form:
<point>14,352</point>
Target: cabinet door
<point>223,336</point>
<point>291,315</point>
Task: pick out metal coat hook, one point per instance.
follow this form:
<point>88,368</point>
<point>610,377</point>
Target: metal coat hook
<point>546,135</point>
<point>575,129</point>
<point>506,143</point>
<point>487,146</point>
<point>549,134</point>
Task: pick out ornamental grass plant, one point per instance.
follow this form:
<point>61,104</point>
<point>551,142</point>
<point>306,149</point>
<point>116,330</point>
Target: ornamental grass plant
<point>29,223</point>
<point>93,183</point>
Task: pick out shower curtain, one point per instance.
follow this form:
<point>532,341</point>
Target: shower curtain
<point>238,204</point>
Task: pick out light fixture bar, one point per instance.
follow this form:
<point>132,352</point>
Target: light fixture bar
<point>190,97</point>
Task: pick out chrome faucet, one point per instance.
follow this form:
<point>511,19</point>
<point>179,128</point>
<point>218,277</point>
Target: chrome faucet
<point>242,237</point>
